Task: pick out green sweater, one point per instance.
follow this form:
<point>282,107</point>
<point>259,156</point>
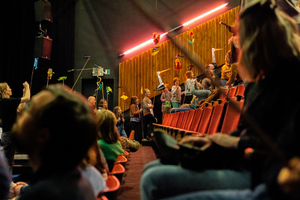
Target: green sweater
<point>111,151</point>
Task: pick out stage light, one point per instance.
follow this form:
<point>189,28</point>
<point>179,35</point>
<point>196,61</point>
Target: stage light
<point>184,24</point>
<point>205,14</point>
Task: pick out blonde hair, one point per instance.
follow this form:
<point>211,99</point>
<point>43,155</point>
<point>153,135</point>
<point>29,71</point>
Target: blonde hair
<point>3,88</point>
<point>266,44</point>
<point>107,129</point>
<point>227,58</point>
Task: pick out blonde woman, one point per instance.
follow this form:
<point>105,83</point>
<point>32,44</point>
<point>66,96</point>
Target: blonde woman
<point>8,113</point>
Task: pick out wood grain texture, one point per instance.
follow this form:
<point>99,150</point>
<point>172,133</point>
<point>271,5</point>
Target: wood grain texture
<point>139,72</point>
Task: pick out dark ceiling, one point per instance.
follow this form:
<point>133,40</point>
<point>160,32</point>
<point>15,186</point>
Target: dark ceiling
<point>127,23</point>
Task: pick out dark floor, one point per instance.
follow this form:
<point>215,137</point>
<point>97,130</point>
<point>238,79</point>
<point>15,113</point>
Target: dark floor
<point>130,186</point>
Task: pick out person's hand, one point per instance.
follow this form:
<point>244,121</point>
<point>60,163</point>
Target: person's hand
<point>203,142</point>
<point>289,178</point>
<point>18,187</point>
<point>25,85</point>
<point>224,140</point>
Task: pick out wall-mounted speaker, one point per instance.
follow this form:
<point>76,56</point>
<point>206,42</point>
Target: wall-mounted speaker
<point>42,47</point>
<point>42,10</point>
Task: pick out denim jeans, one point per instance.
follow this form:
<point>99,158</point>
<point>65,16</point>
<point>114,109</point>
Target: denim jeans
<point>259,193</point>
<point>9,148</point>
<point>162,181</point>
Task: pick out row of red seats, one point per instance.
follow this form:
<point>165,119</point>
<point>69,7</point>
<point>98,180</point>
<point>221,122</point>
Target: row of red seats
<point>114,179</point>
<point>222,117</point>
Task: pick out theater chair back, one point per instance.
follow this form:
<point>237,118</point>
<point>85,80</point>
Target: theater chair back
<point>180,119</point>
<point>175,119</point>
<point>215,119</point>
<point>189,120</point>
<point>231,92</point>
<point>183,122</point>
<point>118,170</point>
<point>232,117</point>
<point>196,120</point>
<point>168,123</point>
<point>202,128</point>
<point>240,90</point>
<point>224,94</point>
<point>165,119</point>
<point>113,185</point>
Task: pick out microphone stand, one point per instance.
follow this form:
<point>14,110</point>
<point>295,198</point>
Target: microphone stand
<point>81,72</point>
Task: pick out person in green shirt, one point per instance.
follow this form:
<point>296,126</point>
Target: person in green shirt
<point>109,140</point>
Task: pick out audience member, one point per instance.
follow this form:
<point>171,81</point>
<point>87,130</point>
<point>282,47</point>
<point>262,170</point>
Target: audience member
<point>135,118</point>
<point>108,137</point>
<point>50,130</point>
<point>199,93</point>
<point>149,118</point>
<point>166,99</point>
<point>263,52</point>
<point>92,102</point>
<point>176,93</point>
<point>102,105</point>
<point>96,176</point>
<point>189,75</point>
<point>215,91</point>
<point>120,121</point>
<point>8,113</point>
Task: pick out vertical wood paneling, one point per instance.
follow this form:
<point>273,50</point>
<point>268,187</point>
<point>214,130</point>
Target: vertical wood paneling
<point>140,71</point>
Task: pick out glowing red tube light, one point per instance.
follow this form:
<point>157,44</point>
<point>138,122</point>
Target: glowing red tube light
<point>184,24</point>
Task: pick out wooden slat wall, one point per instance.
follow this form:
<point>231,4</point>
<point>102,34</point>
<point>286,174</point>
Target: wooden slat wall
<point>139,72</point>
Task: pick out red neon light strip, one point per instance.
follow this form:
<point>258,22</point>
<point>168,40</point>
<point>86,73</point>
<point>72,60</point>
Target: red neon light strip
<point>184,24</point>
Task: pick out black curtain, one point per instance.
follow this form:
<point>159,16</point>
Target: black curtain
<point>19,29</point>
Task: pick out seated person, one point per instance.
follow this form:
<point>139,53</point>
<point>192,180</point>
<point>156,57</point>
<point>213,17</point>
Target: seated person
<point>261,68</point>
<point>50,130</point>
<point>120,121</point>
<point>199,93</point>
<point>108,137</point>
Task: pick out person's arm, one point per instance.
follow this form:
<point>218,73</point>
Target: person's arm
<point>233,74</point>
<point>199,93</point>
<point>162,97</point>
<point>26,93</point>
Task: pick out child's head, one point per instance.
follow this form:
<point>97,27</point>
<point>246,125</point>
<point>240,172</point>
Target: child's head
<point>134,100</point>
<point>189,74</point>
<point>147,92</point>
<point>176,81</point>
<point>117,110</point>
<point>107,129</point>
<point>166,87</point>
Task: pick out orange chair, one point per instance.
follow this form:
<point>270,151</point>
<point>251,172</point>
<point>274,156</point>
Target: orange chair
<point>122,160</point>
<point>126,154</point>
<point>196,120</point>
<point>224,94</point>
<point>215,119</point>
<point>189,120</point>
<point>118,170</point>
<point>102,198</point>
<point>184,120</point>
<point>204,122</point>
<point>231,92</point>
<point>240,90</point>
<point>170,118</point>
<point>165,119</point>
<point>113,185</point>
<point>231,117</point>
